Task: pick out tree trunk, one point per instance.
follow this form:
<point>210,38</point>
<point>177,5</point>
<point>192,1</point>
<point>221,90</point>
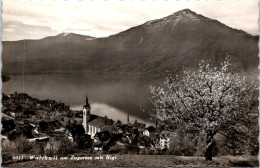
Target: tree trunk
<point>209,146</point>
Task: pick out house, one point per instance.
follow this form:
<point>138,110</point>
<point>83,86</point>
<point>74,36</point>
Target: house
<point>7,126</point>
<point>164,142</point>
<point>144,141</point>
<point>165,137</point>
<point>149,130</point>
<point>73,130</point>
<point>39,139</point>
<point>116,129</point>
<point>12,114</point>
<point>14,95</point>
<point>79,114</point>
<point>41,112</point>
<point>93,123</point>
<point>61,129</point>
<point>26,129</point>
<point>68,134</point>
<point>138,125</point>
<point>76,133</point>
<point>18,113</point>
<point>13,129</point>
<point>28,113</point>
<point>100,139</point>
<point>125,129</point>
<point>23,96</point>
<point>48,127</point>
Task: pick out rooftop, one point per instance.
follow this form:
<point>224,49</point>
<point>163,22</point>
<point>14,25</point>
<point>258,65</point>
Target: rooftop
<point>99,121</point>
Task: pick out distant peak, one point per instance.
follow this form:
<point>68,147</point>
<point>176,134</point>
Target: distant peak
<point>184,15</point>
<point>71,35</point>
<point>64,34</point>
<point>185,11</point>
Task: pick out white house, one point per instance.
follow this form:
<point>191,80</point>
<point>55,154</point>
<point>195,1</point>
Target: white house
<point>148,131</point>
<point>164,142</point>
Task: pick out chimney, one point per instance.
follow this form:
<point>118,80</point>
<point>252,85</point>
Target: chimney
<point>156,123</point>
<point>127,117</point>
<point>106,120</point>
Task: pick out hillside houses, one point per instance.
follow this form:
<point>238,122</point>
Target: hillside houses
<point>27,102</point>
<point>37,122</point>
<point>107,134</point>
<point>48,127</point>
<point>16,114</point>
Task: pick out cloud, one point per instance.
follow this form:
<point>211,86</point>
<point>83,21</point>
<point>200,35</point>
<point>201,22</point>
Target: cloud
<point>12,25</point>
<point>18,31</point>
<point>102,18</point>
<point>8,30</point>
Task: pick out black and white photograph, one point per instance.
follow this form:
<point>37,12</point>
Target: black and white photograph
<point>130,83</point>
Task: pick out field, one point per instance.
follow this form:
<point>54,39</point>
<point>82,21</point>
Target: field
<point>145,161</point>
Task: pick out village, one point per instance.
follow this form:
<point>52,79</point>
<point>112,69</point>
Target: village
<point>52,128</point>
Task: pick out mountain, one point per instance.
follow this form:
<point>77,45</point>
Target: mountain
<point>172,43</point>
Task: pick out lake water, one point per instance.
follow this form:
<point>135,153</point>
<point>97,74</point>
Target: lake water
<point>108,95</point>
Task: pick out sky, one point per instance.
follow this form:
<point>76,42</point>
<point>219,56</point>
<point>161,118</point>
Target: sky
<point>35,19</point>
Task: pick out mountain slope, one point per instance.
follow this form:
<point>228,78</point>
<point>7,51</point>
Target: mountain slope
<point>172,43</point>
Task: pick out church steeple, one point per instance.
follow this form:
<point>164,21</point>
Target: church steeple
<point>86,103</point>
<point>86,114</point>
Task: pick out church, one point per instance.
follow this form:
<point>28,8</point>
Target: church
<point>93,123</point>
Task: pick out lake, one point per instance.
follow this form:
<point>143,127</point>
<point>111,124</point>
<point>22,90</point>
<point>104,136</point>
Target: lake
<point>113,96</point>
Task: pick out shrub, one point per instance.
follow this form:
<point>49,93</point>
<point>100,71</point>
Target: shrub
<point>62,146</point>
<point>5,146</point>
<point>22,145</point>
<point>19,146</point>
<point>37,149</point>
<point>182,145</point>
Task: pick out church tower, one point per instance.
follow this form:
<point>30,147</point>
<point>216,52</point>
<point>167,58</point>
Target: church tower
<point>86,115</point>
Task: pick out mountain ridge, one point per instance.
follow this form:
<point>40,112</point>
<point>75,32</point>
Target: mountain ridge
<point>179,40</point>
<point>150,21</point>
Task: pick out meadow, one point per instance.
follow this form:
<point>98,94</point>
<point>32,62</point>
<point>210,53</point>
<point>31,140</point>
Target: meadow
<point>145,161</point>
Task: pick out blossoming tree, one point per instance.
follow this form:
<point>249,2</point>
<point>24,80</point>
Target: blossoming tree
<point>212,100</point>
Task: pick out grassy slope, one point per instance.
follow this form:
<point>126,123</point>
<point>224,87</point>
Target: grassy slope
<point>148,161</point>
